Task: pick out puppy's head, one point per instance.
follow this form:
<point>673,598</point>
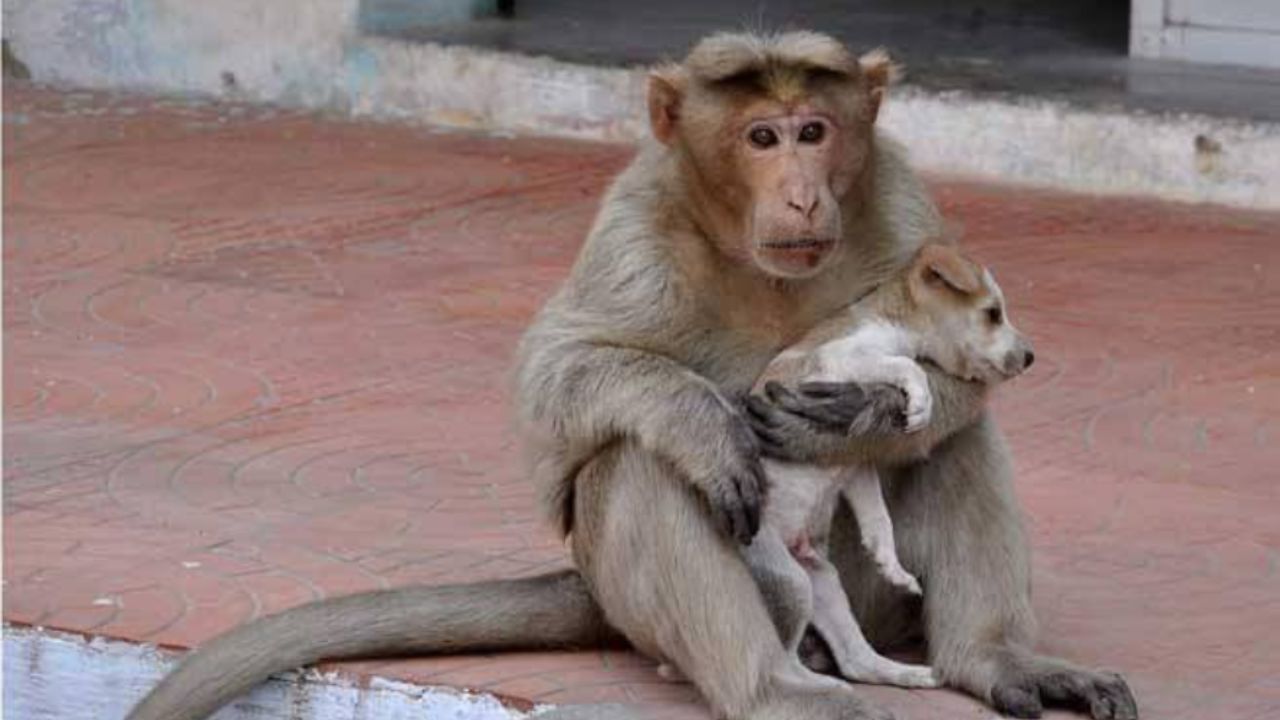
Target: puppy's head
<point>967,328</point>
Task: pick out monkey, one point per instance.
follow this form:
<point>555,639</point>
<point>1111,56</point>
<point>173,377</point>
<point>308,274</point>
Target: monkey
<point>765,200</point>
<point>944,307</point>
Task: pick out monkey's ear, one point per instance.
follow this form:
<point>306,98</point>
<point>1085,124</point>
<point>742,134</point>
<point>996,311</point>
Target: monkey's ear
<point>880,71</point>
<point>940,265</point>
<point>666,91</point>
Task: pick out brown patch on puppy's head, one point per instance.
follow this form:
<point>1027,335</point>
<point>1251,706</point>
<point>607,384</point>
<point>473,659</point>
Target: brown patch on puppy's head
<point>774,134</point>
<point>960,311</point>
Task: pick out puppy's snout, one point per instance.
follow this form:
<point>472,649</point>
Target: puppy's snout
<point>1019,358</point>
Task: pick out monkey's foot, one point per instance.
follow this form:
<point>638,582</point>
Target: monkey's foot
<point>1028,686</point>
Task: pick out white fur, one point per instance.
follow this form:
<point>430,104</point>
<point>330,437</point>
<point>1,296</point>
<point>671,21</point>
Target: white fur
<point>802,500</point>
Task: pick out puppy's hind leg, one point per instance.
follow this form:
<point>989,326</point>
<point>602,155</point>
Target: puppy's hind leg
<point>786,588</point>
<point>855,657</point>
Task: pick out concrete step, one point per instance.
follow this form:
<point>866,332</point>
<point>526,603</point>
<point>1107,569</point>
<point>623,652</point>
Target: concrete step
<point>318,55</point>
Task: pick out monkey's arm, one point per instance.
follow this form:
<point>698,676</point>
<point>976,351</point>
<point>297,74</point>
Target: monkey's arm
<point>813,423</point>
<point>585,394</point>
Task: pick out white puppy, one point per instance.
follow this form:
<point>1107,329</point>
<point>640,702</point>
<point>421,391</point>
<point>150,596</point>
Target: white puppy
<point>944,308</point>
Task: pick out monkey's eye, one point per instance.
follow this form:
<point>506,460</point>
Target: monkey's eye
<point>812,132</point>
<point>994,315</point>
<point>763,137</point>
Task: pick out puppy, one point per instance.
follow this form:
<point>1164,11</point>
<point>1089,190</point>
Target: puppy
<point>944,308</point>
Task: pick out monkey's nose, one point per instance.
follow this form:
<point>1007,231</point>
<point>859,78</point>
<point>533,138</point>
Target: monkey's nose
<point>803,206</point>
<point>1027,359</point>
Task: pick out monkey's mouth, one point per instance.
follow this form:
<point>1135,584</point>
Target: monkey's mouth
<point>799,244</point>
<point>796,257</point>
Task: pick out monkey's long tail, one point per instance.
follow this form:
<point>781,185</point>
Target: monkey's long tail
<point>553,610</point>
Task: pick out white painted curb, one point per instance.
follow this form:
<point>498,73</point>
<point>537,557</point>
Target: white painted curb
<point>58,676</point>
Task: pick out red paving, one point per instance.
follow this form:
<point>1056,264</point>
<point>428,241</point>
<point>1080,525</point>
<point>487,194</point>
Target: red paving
<point>253,358</point>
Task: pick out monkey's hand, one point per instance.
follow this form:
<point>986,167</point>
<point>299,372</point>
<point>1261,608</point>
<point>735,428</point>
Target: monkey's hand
<point>841,423</point>
<point>725,466</point>
<point>582,394</point>
<point>815,423</point>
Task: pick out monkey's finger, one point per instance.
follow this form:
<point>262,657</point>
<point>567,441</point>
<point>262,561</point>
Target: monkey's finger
<point>722,517</point>
<point>1126,704</point>
<point>739,517</point>
<point>766,425</point>
<point>828,415</point>
<point>1111,699</point>
<point>1017,700</point>
<point>819,390</point>
<point>749,496</point>
<point>778,393</point>
<point>1101,707</point>
<point>842,403</point>
<point>775,447</point>
<point>759,412</point>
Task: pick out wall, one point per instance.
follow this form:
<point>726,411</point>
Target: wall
<point>1238,32</point>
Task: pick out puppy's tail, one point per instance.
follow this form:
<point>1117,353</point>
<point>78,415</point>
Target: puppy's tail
<point>553,610</point>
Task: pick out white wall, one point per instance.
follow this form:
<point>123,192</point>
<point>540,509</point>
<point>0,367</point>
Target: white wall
<point>1236,32</point>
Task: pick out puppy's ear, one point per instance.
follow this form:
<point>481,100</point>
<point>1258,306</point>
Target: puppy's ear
<point>880,72</point>
<point>939,266</point>
<point>666,94</point>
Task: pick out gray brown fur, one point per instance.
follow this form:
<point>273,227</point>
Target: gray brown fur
<point>628,389</point>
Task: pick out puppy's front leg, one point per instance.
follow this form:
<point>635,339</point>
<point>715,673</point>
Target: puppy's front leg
<point>862,490</point>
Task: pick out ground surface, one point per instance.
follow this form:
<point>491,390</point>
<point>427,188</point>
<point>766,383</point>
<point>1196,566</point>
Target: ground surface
<point>253,358</point>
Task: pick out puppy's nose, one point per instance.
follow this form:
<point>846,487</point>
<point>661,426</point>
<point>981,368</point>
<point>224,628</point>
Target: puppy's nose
<point>1027,359</point>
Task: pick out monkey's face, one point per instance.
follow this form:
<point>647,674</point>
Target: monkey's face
<point>797,164</point>
<point>772,136</point>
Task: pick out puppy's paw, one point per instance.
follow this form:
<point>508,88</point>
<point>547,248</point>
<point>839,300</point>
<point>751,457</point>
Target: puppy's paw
<point>903,580</point>
<point>883,671</point>
<point>919,676</point>
<point>919,402</point>
<point>670,673</point>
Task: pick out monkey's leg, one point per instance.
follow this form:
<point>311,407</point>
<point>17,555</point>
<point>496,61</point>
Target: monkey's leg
<point>855,657</point>
<point>681,592</point>
<point>784,583</point>
<point>960,527</point>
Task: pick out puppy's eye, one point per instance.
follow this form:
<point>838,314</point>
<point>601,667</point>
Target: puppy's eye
<point>994,315</point>
<point>812,133</point>
<point>763,137</point>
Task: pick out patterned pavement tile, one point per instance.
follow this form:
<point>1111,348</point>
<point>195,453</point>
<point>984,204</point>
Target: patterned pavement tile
<point>255,358</point>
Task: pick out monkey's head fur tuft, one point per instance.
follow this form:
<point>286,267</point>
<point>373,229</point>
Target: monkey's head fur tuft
<point>774,134</point>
